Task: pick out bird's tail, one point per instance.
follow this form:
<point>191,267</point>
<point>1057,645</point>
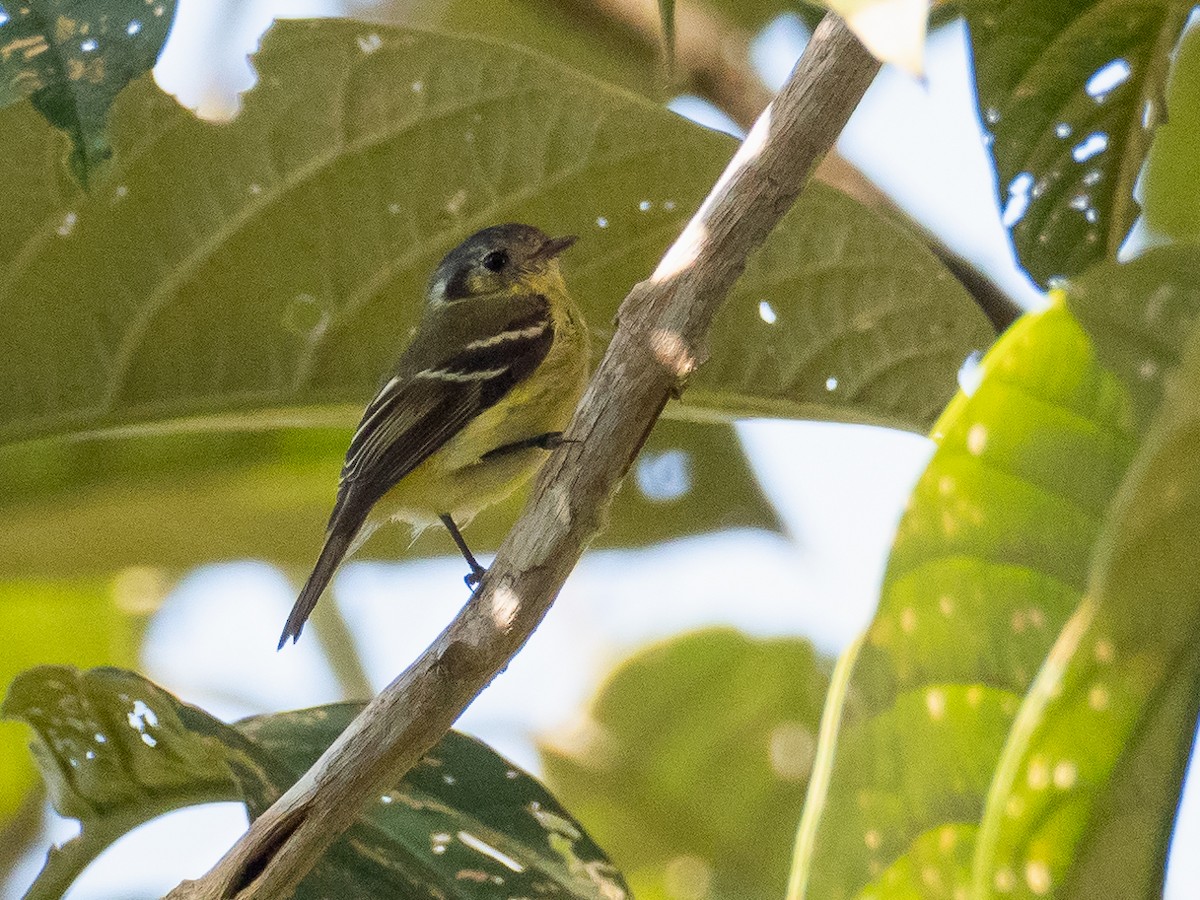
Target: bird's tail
<point>337,544</point>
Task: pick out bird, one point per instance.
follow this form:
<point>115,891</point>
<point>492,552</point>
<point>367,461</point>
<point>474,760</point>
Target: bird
<point>483,391</point>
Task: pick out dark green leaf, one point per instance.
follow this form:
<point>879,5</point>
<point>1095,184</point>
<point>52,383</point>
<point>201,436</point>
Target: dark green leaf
<point>989,561</point>
<point>465,821</point>
<point>1070,93</point>
<point>72,58</point>
<point>1172,181</point>
<point>693,764</point>
<point>117,751</point>
<point>1085,796</point>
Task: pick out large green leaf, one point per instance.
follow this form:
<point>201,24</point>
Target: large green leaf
<point>1085,796</point>
<point>1070,93</point>
<point>693,762</point>
<point>116,751</point>
<point>1172,181</point>
<point>274,265</point>
<point>989,561</point>
<point>234,278</point>
<point>73,57</point>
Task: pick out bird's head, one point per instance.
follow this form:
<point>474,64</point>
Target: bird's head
<point>502,259</point>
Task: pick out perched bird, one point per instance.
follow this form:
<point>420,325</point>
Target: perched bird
<point>490,380</point>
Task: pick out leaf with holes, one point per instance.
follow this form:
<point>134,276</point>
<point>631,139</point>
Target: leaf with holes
<point>279,276</point>
<point>73,58</point>
<point>989,561</point>
<point>1070,93</point>
<point>231,280</point>
<point>464,823</point>
<point>1086,793</point>
<point>116,751</point>
<point>706,723</point>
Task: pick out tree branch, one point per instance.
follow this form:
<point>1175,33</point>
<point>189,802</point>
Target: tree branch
<point>712,57</point>
<point>660,341</point>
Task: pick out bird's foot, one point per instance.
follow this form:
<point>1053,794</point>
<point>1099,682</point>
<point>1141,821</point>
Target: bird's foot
<point>475,577</point>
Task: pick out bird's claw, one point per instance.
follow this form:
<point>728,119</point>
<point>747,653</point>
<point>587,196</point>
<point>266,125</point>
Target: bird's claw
<point>474,578</point>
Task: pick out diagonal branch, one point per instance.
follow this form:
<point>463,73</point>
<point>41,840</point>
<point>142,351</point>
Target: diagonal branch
<point>660,341</point>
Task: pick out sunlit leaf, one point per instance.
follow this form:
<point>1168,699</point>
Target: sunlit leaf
<point>1070,93</point>
<point>1172,181</point>
<point>1086,794</point>
<point>115,751</point>
<point>45,621</point>
<point>464,824</point>
<point>73,57</point>
<point>989,561</point>
<point>692,763</point>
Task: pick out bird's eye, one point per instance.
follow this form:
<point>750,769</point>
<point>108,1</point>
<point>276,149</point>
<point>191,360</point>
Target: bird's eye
<point>496,260</point>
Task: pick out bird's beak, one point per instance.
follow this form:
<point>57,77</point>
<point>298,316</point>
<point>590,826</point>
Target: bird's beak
<point>555,246</point>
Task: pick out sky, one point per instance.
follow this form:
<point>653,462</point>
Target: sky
<point>819,579</point>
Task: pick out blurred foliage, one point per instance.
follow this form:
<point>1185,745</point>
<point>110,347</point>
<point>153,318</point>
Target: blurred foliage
<point>989,560</point>
<point>691,765</point>
<point>116,751</point>
<point>72,58</point>
<point>189,498</point>
<point>1172,180</point>
<point>1070,94</point>
<point>1085,796</point>
<point>1023,493</point>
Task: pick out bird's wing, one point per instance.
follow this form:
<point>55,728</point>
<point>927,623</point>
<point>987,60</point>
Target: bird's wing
<point>419,410</point>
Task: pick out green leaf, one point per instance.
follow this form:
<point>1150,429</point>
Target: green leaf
<point>279,276</point>
<point>464,822</point>
<point>838,318</point>
<point>989,561</point>
<point>117,751</point>
<point>72,58</point>
<point>1086,793</point>
<point>1172,199</point>
<point>589,43</point>
<point>693,761</point>
<point>78,622</point>
<point>1070,93</point>
<point>232,279</point>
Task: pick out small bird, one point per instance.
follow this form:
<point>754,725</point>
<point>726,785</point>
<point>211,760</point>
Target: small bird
<point>493,373</point>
